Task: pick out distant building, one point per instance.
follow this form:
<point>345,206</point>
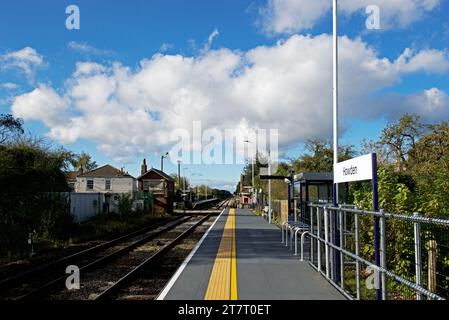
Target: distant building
<point>106,179</point>
<point>245,194</point>
<point>71,179</point>
<point>160,184</point>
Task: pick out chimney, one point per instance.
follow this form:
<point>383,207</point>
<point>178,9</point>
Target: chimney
<point>144,168</point>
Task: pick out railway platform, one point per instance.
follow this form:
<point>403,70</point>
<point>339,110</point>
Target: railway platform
<point>241,257</point>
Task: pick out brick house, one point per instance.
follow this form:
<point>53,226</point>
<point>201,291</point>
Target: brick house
<point>160,184</point>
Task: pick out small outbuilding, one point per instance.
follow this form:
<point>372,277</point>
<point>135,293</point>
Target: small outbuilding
<point>160,184</point>
<point>312,187</point>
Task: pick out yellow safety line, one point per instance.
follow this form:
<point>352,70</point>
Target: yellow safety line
<point>233,262</point>
<point>223,279</point>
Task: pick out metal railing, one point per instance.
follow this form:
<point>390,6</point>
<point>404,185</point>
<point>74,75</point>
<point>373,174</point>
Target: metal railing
<point>413,265</point>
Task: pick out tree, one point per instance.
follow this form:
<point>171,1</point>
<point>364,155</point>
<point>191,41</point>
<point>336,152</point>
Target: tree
<point>320,156</point>
<point>400,139</point>
<point>429,169</point>
<point>83,162</point>
<point>32,186</point>
<point>9,127</point>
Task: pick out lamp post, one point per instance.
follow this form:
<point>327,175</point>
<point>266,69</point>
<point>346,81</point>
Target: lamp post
<point>252,176</point>
<point>269,186</point>
<point>336,231</point>
<point>179,173</point>
<point>184,180</point>
<point>335,91</point>
<point>162,161</point>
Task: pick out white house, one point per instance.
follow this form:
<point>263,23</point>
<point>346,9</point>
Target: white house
<point>106,179</point>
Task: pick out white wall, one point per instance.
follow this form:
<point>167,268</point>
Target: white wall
<point>85,205</point>
<point>118,185</point>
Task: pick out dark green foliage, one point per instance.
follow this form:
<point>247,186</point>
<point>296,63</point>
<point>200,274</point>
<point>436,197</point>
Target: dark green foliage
<point>83,162</point>
<point>32,186</point>
<point>10,127</point>
<point>125,204</point>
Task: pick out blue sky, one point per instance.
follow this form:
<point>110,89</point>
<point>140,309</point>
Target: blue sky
<point>258,37</point>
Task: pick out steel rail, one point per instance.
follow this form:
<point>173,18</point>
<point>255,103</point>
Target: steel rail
<point>21,277</point>
<point>105,295</point>
<point>101,261</point>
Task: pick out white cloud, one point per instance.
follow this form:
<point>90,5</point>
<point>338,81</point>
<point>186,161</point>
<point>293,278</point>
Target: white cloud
<point>165,47</point>
<point>431,104</point>
<point>26,60</point>
<point>88,68</point>
<point>286,86</point>
<point>428,60</point>
<point>210,40</point>
<point>9,86</point>
<point>85,48</point>
<point>42,104</point>
<point>290,16</point>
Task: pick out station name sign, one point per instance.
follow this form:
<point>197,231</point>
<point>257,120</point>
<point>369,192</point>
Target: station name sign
<point>357,169</point>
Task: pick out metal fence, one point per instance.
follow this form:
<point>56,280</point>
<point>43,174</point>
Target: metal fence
<point>412,253</point>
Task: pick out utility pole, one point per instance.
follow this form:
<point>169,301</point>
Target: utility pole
<point>257,155</point>
<point>336,231</point>
<point>252,174</point>
<point>179,173</point>
<point>269,187</point>
<point>162,161</point>
<point>185,181</point>
<point>335,91</point>
<point>252,189</point>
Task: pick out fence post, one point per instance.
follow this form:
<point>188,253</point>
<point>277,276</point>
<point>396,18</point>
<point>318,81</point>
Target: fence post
<point>383,254</point>
<point>432,271</point>
<point>326,239</point>
<point>357,253</point>
<point>418,257</point>
<point>342,265</point>
<point>311,232</point>
<point>318,219</point>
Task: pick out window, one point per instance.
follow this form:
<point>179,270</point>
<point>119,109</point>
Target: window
<point>107,185</point>
<point>72,186</point>
<point>90,184</point>
<point>153,185</point>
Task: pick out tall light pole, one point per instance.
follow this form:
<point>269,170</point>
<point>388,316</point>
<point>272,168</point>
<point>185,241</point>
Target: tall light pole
<point>184,180</point>
<point>179,173</point>
<point>336,231</point>
<point>269,186</point>
<point>162,161</point>
<point>252,175</point>
<point>335,91</point>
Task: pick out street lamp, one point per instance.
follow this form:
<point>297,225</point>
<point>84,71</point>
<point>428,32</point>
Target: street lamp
<point>335,90</point>
<point>179,173</point>
<point>162,161</point>
<point>269,185</point>
<point>184,180</point>
<point>252,175</point>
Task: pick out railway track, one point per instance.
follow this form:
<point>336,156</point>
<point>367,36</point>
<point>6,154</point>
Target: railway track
<point>146,280</point>
<point>24,284</point>
<point>102,282</point>
<point>128,251</point>
<point>223,204</point>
